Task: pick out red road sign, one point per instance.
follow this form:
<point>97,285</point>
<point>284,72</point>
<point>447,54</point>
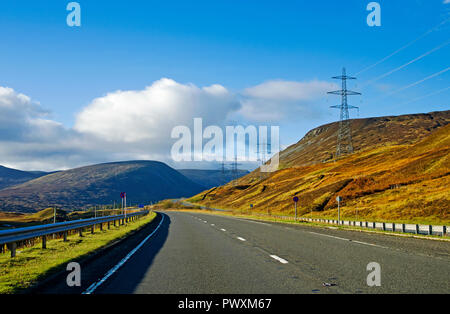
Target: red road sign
<point>123,194</point>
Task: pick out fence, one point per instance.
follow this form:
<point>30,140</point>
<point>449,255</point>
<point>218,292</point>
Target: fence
<point>13,237</point>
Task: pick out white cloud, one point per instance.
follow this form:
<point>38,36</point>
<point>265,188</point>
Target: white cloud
<point>278,100</point>
<point>446,1</point>
<point>127,125</point>
<point>150,114</point>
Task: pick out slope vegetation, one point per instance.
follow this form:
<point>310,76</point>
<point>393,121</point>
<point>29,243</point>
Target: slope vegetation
<point>402,177</point>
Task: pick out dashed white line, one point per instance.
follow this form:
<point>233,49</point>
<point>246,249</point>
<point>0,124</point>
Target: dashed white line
<point>281,260</point>
<point>213,225</point>
<point>242,239</point>
<point>223,230</point>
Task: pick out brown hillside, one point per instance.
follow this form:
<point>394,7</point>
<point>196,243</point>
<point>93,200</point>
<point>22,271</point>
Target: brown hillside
<point>394,180</point>
<point>319,144</point>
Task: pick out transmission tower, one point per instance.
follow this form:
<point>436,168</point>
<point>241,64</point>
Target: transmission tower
<point>344,142</point>
<point>262,153</point>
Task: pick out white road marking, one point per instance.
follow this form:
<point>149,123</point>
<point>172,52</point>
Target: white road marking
<point>330,236</point>
<point>369,244</point>
<point>349,240</point>
<point>95,285</point>
<point>281,260</point>
<point>213,225</point>
<point>223,230</point>
<point>242,239</point>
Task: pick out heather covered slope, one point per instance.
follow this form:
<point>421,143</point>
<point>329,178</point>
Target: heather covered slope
<point>144,181</point>
<point>405,177</point>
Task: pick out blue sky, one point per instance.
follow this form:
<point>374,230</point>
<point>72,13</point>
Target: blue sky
<point>129,45</point>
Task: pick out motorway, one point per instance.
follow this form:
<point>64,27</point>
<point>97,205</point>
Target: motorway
<point>193,253</point>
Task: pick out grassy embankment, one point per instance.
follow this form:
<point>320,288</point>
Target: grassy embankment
<point>34,264</point>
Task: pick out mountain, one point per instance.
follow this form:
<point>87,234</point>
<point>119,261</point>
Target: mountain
<point>143,181</point>
<point>400,171</point>
<point>211,178</point>
<point>10,177</point>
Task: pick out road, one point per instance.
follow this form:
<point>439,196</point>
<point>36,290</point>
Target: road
<point>193,253</point>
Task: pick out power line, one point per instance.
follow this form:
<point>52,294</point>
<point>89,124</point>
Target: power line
<point>425,96</point>
<point>420,81</point>
<point>408,63</point>
<point>404,47</point>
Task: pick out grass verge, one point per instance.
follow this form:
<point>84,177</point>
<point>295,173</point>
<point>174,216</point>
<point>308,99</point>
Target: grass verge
<point>34,264</point>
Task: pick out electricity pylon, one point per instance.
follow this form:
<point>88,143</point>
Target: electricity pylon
<point>344,141</point>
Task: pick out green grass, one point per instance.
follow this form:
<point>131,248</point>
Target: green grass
<point>34,264</point>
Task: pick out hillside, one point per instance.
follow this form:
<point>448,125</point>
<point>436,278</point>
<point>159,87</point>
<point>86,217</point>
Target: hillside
<point>319,145</point>
<point>144,181</point>
<point>401,174</point>
<point>210,178</point>
<point>10,177</point>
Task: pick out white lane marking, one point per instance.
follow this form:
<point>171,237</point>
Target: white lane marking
<point>242,239</point>
<point>349,240</point>
<point>95,285</point>
<point>223,230</point>
<point>281,260</point>
<point>213,225</point>
<point>330,236</point>
<point>255,222</point>
<point>376,245</point>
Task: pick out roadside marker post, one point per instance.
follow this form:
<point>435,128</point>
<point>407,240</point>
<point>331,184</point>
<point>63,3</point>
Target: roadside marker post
<point>339,199</point>
<point>295,202</point>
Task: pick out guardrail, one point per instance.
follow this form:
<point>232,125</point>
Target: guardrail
<point>384,226</point>
<point>11,237</point>
<point>387,226</point>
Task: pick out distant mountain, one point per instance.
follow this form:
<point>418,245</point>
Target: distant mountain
<point>10,177</point>
<point>211,178</point>
<point>400,171</point>
<point>143,181</point>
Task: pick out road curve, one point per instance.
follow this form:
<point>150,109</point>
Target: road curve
<point>194,253</point>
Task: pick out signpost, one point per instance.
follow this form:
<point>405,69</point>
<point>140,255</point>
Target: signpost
<point>123,196</point>
<point>339,199</point>
<point>295,202</point>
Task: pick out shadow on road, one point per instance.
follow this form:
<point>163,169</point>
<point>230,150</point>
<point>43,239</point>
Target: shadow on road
<point>130,275</point>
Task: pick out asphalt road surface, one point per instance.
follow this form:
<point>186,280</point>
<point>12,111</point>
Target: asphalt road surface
<point>192,253</point>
